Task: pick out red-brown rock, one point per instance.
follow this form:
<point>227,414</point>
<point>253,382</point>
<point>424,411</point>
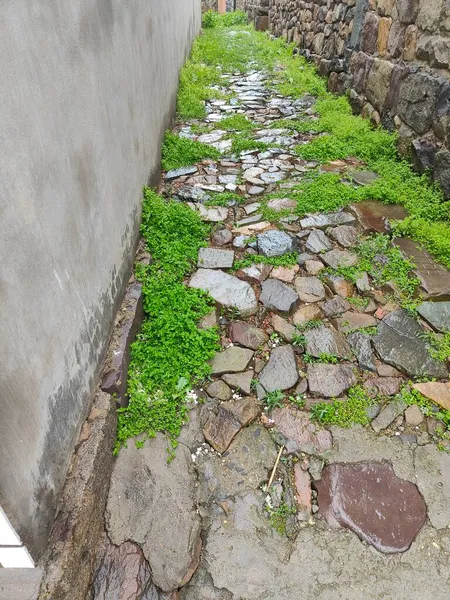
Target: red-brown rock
<point>368,498</point>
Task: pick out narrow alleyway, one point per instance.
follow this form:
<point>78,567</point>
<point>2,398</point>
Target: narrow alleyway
<point>313,460</point>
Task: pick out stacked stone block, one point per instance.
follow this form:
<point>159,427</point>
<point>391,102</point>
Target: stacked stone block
<point>258,11</point>
<point>391,56</point>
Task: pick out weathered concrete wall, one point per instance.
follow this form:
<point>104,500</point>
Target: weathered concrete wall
<point>393,58</point>
<point>258,11</point>
<point>88,88</point>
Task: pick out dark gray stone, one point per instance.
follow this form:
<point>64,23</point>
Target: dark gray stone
<point>327,220</point>
<point>345,235</point>
<point>318,242</point>
<point>442,170</point>
<point>274,243</point>
<point>335,306</point>
<point>368,498</point>
<point>326,340</point>
<point>418,99</point>
<point>423,154</point>
<point>151,500</point>
<point>361,346</point>
<point>437,314</point>
<point>180,172</point>
<point>276,295</point>
<point>330,381</point>
<point>281,372</point>
<point>192,193</point>
<point>370,33</point>
<point>407,10</point>
<point>399,343</point>
<point>388,415</point>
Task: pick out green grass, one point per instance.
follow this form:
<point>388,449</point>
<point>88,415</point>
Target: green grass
<point>236,123</point>
<point>344,413</point>
<point>171,352</point>
<point>213,19</point>
<point>410,396</point>
<point>287,260</point>
<point>182,152</point>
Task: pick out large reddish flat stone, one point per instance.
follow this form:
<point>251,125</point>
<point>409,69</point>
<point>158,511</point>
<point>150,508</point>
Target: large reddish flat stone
<point>300,432</point>
<point>374,215</point>
<point>368,498</point>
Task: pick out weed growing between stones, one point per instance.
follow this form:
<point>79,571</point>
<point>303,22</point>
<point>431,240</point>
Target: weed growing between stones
<point>212,19</point>
<point>171,352</point>
<point>182,152</point>
<point>439,345</point>
<point>344,413</point>
<point>278,517</point>
<point>411,397</point>
<point>274,400</point>
<point>287,260</point>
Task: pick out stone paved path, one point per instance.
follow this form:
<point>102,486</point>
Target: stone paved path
<point>353,513</point>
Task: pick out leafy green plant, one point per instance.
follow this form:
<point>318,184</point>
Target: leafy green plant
<point>439,345</point>
<point>344,412</point>
<point>274,400</point>
<point>358,302</point>
<point>287,260</point>
<point>237,122</point>
<point>322,358</point>
<point>410,396</point>
<point>298,339</point>
<point>182,152</point>
<point>170,352</point>
<point>242,143</point>
<point>212,19</point>
<point>278,517</point>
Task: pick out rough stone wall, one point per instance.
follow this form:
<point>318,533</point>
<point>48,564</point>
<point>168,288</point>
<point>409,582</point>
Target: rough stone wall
<point>391,56</point>
<point>88,88</point>
<point>209,5</point>
<point>258,11</point>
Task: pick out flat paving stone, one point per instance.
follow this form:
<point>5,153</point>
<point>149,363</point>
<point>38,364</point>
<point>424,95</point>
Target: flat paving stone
<point>276,295</point>
<point>254,273</point>
<point>362,349</point>
<point>437,314</point>
<point>306,313</point>
<point>439,393</point>
<point>153,504</point>
<point>351,321</point>
<point>274,243</point>
<point>364,177</point>
<point>336,306</point>
<point>279,204</point>
<point>247,335</point>
<point>388,415</point>
<point>330,381</point>
<point>326,340</point>
<point>220,390</point>
<point>302,434</point>
<point>232,360</point>
<point>212,258</point>
<point>433,480</point>
<point>339,258</point>
<point>221,237</point>
<point>175,173</point>
<point>286,274</point>
<point>383,386</point>
<point>435,278</point>
<point>310,289</point>
<point>222,427</point>
<point>281,371</point>
<point>212,214</point>
<point>192,193</point>
<point>345,235</point>
<point>369,499</point>
<point>375,216</point>
<point>240,381</point>
<point>227,290</point>
<point>283,327</point>
<point>399,343</point>
<point>318,242</point>
<point>327,220</point>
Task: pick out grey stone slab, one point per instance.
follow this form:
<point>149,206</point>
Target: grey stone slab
<point>433,480</point>
<point>276,295</point>
<point>212,258</point>
<point>175,173</point>
<point>399,343</point>
<point>330,381</point>
<point>327,220</point>
<point>232,360</point>
<point>318,242</point>
<point>153,503</point>
<point>227,290</point>
<point>362,348</point>
<point>281,371</point>
<point>437,314</point>
<point>310,289</point>
<point>326,340</point>
<point>388,415</point>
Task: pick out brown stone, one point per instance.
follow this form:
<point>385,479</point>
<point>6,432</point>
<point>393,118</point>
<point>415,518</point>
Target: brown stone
<point>340,286</point>
<point>219,389</point>
<point>370,34</point>
<point>383,386</point>
<point>240,381</point>
<point>383,35</point>
<point>285,329</point>
<point>396,39</point>
<point>439,393</point>
<point>314,266</point>
<point>285,274</point>
<point>254,273</point>
<point>410,43</point>
<point>369,499</point>
<point>301,433</point>
<point>123,573</point>
<point>388,371</point>
<point>307,312</point>
<point>414,416</point>
<point>247,335</point>
<point>302,491</point>
<point>221,428</point>
<point>352,321</point>
<point>335,306</point>
<point>374,215</point>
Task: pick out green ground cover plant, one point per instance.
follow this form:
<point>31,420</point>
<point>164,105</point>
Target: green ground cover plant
<point>182,152</point>
<point>344,412</point>
<point>171,352</point>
